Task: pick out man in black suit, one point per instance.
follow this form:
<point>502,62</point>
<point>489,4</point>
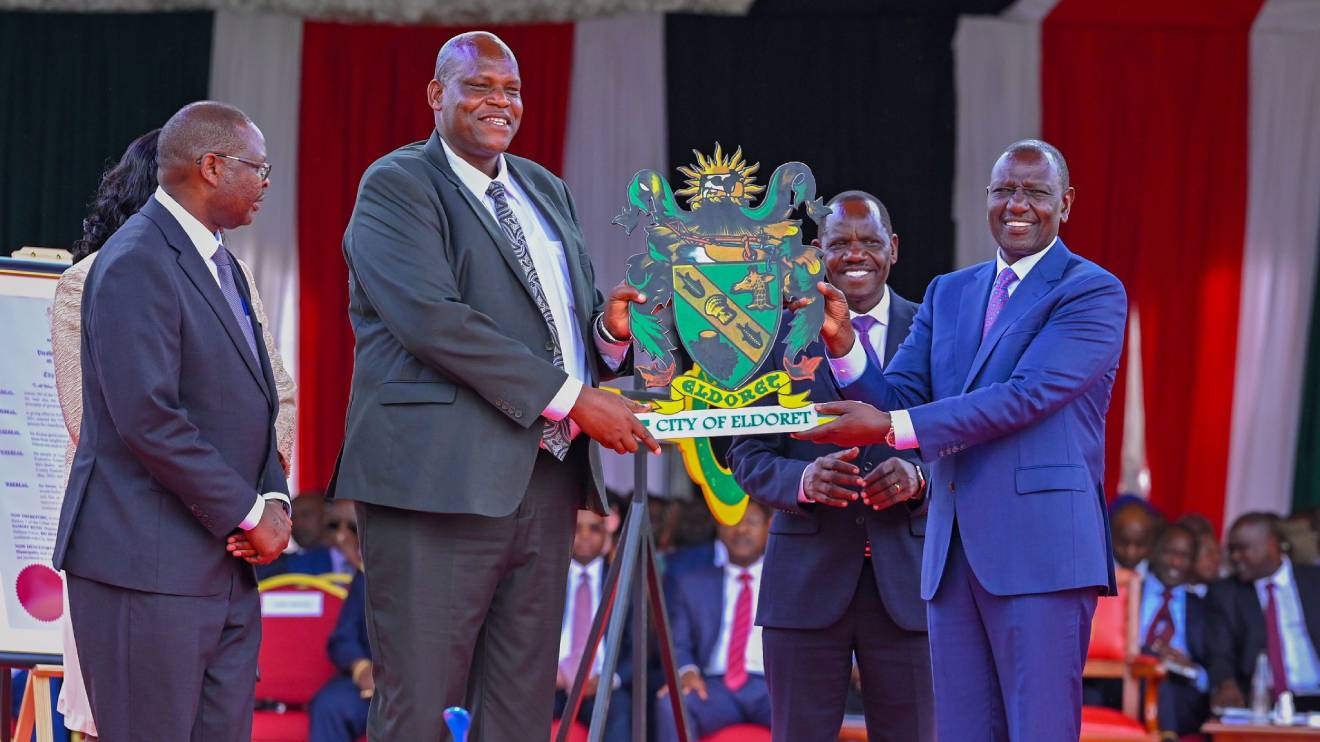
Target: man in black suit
<point>177,451</point>
<point>480,337</point>
<point>1269,606</point>
<point>843,567</point>
<point>1173,628</point>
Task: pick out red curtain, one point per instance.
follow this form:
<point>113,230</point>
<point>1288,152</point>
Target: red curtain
<point>1148,101</point>
<point>363,95</point>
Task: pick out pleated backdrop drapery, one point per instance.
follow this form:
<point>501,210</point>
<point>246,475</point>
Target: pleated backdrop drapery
<point>364,95</point>
<point>76,89</point>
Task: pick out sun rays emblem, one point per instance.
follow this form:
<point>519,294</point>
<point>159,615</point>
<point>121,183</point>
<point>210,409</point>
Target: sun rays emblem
<point>719,178</point>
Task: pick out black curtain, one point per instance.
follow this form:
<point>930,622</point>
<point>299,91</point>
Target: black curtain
<point>860,91</point>
<point>75,89</point>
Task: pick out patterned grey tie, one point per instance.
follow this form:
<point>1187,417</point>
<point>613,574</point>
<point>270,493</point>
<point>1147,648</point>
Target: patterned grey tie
<point>224,270</point>
<point>555,435</point>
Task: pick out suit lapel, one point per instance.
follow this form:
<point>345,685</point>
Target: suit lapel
<point>1039,281</point>
<point>900,320</point>
<point>971,315</point>
<point>1308,593</point>
<point>436,152</point>
<point>267,372</point>
<point>193,267</point>
<point>713,611</point>
<point>577,277</point>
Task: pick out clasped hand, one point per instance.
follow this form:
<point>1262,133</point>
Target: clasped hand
<point>832,480</point>
<point>267,540</point>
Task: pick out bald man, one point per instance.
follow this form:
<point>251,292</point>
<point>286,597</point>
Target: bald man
<point>480,339</point>
<point>178,451</point>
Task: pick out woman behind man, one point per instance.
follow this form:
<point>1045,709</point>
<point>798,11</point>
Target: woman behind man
<point>124,188</point>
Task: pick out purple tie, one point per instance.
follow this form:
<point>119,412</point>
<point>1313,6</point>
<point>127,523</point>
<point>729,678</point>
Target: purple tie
<point>581,626</point>
<point>1274,641</point>
<point>998,298</point>
<point>863,324</point>
<point>224,270</point>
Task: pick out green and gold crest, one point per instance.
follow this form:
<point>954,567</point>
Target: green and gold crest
<point>717,276</point>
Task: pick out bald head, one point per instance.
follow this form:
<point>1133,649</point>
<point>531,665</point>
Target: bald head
<point>1044,149</point>
<point>463,49</point>
<point>847,200</point>
<point>199,128</point>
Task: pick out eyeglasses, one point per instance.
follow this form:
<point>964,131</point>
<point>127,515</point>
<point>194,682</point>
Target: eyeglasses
<point>263,168</point>
<point>336,525</point>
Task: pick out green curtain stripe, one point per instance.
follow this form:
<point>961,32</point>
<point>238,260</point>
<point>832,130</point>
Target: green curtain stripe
<point>76,89</point>
<point>1306,482</point>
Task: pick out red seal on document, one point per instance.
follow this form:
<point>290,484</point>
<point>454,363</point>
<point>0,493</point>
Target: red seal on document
<point>40,592</point>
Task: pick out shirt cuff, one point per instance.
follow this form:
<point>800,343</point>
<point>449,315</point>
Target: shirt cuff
<point>802,489</point>
<point>612,353</point>
<point>563,402</point>
<point>683,670</point>
<point>254,515</point>
<point>851,366</point>
<point>905,438</point>
<point>1202,680</point>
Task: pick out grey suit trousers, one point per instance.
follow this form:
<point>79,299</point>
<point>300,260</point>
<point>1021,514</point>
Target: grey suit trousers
<point>465,610</point>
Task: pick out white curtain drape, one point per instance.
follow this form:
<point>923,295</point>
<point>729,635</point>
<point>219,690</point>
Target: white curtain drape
<point>997,80</point>
<point>256,64</point>
<point>616,126</point>
<point>1279,257</point>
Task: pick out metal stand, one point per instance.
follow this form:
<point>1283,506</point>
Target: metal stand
<point>632,574</point>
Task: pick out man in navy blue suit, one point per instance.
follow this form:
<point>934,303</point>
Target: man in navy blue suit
<point>843,566</point>
<point>712,616</point>
<point>1002,385</point>
<point>1172,627</point>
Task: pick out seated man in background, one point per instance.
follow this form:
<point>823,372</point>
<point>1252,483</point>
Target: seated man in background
<point>311,549</point>
<point>1269,606</point>
<point>339,710</point>
<point>1172,626</point>
<point>586,578</point>
<point>1209,554</point>
<point>1134,525</point>
<point>712,615</point>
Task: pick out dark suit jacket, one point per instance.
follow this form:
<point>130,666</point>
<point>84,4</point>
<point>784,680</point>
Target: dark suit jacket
<point>452,364</point>
<point>348,642</point>
<point>696,609</point>
<point>814,557</point>
<point>1013,425</point>
<point>1236,628</point>
<point>178,419</point>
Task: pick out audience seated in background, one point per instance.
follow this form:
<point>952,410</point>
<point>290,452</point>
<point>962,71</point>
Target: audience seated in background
<point>1303,541</point>
<point>1133,524</point>
<point>1209,554</point>
<point>1173,628</point>
<point>712,612</point>
<point>339,710</point>
<point>316,524</point>
<point>586,577</point>
<point>1269,606</point>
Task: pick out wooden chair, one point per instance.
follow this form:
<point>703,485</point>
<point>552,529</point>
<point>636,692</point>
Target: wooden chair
<point>35,709</point>
<point>1115,653</point>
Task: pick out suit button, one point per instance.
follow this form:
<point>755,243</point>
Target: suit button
<point>550,346</point>
<point>518,415</point>
<point>860,520</point>
<point>951,487</point>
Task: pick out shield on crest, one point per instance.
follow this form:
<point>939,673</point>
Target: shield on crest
<point>727,315</point>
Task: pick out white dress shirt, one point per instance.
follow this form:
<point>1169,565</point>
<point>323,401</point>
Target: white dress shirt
<point>547,254</point>
<point>852,365</point>
<point>1299,656</point>
<point>594,570</point>
<point>754,659</point>
<point>207,243</point>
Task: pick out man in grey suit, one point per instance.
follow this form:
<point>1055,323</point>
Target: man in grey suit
<point>479,338</point>
<point>177,451</point>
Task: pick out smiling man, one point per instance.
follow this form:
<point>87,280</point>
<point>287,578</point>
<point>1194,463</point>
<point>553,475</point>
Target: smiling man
<point>1002,385</point>
<point>480,338</point>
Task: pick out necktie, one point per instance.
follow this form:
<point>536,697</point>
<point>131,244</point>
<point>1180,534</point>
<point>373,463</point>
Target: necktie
<point>580,627</point>
<point>735,674</point>
<point>1161,628</point>
<point>1274,642</point>
<point>224,270</point>
<point>998,298</point>
<point>863,324</point>
<point>555,435</point>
